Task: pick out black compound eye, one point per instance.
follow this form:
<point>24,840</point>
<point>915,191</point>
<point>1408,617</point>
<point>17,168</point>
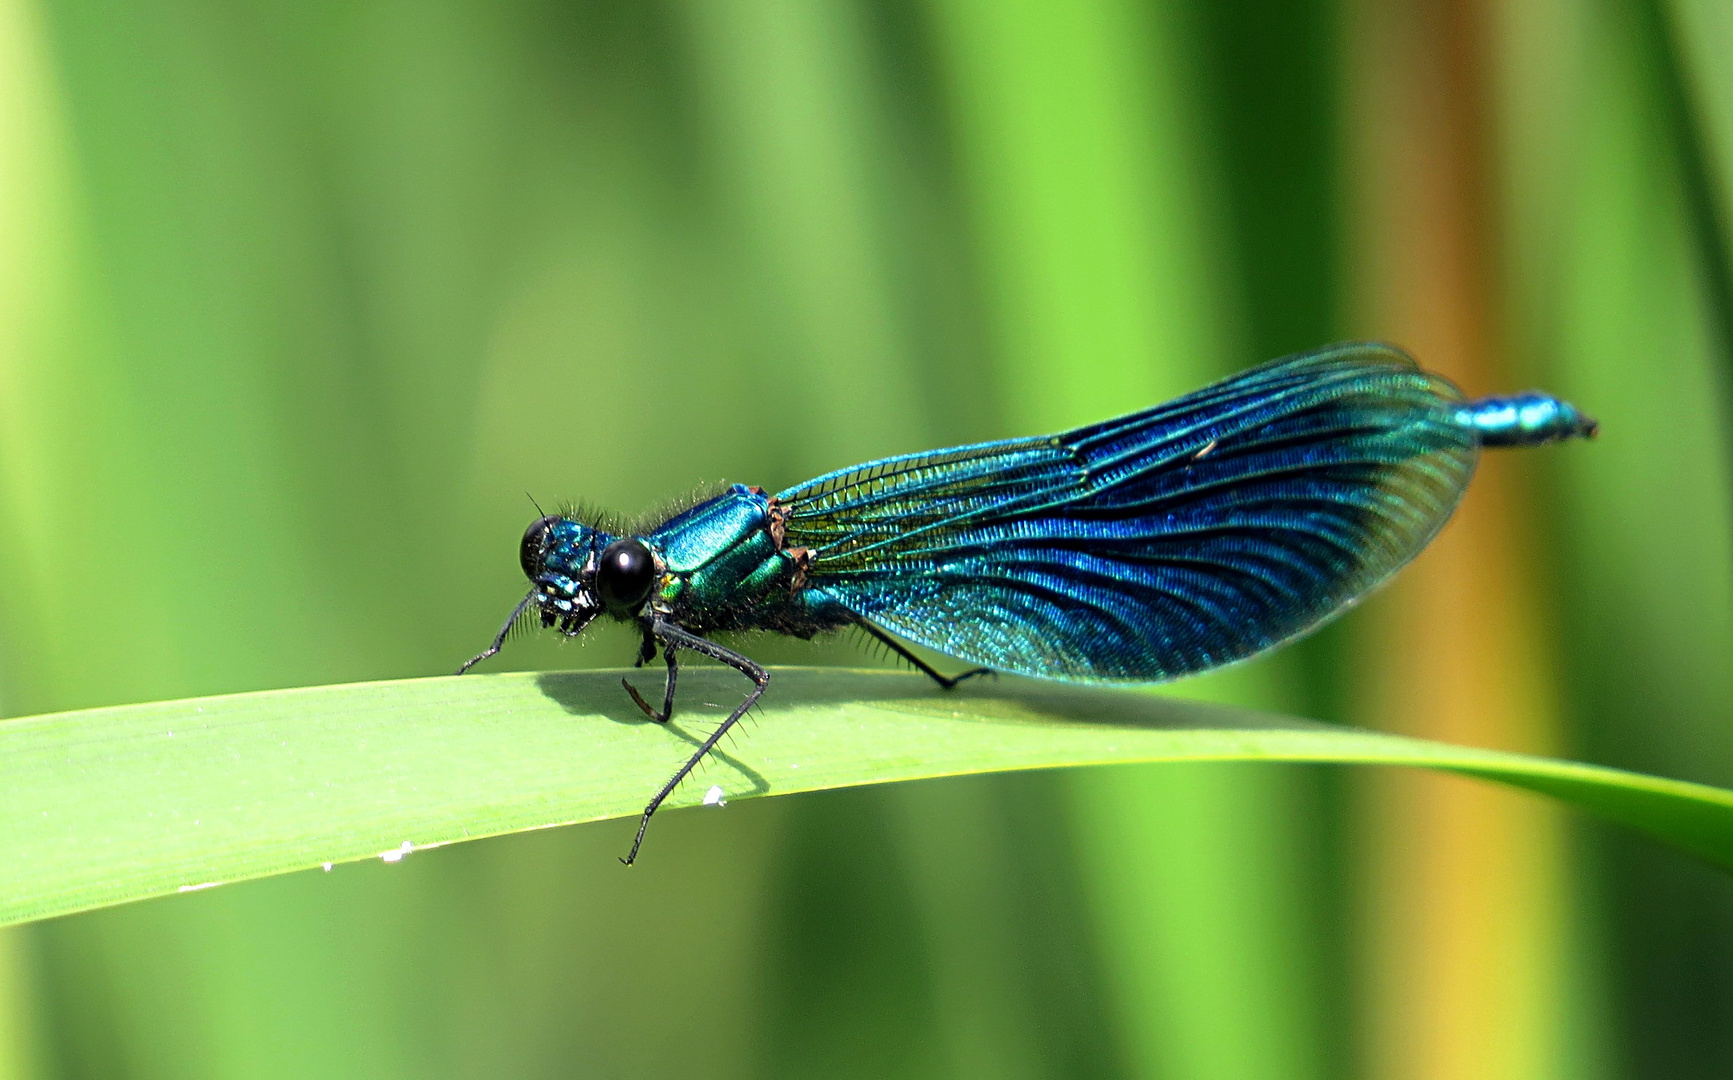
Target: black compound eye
<point>534,545</point>
<point>624,575</point>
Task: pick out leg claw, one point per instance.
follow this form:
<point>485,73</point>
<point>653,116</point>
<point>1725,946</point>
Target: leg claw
<point>642,704</point>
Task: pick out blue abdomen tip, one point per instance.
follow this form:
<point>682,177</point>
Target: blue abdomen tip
<point>1525,420</point>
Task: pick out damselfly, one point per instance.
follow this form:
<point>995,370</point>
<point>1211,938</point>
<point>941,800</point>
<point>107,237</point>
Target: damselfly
<point>1160,544</point>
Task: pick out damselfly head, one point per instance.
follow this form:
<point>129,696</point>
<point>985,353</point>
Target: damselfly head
<point>558,555</point>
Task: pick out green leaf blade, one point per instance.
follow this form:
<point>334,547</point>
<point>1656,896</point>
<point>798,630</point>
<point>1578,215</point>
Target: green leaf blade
<point>111,805</point>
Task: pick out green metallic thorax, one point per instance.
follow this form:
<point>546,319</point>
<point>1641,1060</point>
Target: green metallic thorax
<point>724,568</point>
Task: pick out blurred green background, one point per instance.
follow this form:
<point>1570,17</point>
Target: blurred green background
<point>298,300</point>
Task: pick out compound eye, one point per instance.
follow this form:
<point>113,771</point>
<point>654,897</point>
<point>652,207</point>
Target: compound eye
<point>534,545</point>
<point>624,575</point>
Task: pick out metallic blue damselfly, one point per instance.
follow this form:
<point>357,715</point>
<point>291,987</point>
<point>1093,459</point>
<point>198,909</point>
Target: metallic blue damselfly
<point>1160,544</point>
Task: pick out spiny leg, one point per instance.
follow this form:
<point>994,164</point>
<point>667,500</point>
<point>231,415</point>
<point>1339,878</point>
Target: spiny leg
<point>672,636</point>
<point>499,638</point>
<point>667,712</point>
<point>947,681</point>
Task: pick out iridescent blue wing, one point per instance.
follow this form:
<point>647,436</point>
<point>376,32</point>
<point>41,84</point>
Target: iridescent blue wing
<point>1166,542</point>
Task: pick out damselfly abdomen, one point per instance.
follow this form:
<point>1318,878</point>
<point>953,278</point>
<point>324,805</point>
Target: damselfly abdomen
<point>1160,544</point>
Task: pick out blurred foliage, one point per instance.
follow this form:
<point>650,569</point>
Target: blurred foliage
<point>297,301</point>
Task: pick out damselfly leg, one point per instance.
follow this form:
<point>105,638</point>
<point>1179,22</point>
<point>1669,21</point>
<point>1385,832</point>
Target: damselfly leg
<point>499,638</point>
<point>672,637</point>
<point>947,681</point>
<point>667,712</point>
